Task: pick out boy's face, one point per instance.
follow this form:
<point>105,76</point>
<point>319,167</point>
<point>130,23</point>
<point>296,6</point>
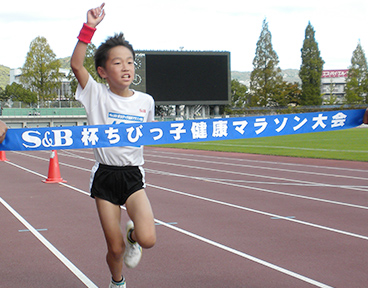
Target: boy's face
<point>119,69</point>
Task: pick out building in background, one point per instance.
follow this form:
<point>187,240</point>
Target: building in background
<point>63,93</point>
<point>15,76</point>
<point>333,86</point>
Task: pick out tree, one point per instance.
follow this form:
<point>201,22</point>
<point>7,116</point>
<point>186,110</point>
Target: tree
<point>40,72</point>
<point>16,92</point>
<point>287,93</point>
<point>89,64</point>
<point>357,81</point>
<point>311,69</point>
<point>3,97</point>
<point>239,95</point>
<point>266,74</point>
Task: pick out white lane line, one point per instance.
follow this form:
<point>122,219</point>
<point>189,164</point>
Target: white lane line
<point>222,159</point>
<point>208,241</point>
<point>281,147</point>
<point>291,181</point>
<point>239,253</point>
<point>256,175</point>
<point>318,173</point>
<point>237,206</point>
<point>49,246</point>
<point>261,212</point>
<point>244,255</point>
<point>261,189</point>
<point>229,249</point>
<point>241,161</point>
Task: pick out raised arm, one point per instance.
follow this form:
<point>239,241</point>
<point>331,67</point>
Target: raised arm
<point>94,17</point>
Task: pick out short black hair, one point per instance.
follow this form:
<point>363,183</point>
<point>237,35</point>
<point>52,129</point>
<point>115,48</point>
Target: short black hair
<point>102,51</point>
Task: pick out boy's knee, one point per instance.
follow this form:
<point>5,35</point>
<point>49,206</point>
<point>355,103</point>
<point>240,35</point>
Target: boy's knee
<point>147,241</point>
<point>116,251</point>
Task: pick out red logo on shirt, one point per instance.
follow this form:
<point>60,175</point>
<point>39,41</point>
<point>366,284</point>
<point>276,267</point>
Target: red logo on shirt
<point>142,110</point>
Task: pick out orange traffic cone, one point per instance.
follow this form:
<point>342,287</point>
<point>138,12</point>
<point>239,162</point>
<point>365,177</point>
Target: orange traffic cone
<point>3,156</point>
<point>54,170</point>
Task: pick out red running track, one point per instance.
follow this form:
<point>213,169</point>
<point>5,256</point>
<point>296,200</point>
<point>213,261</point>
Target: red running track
<point>223,220</point>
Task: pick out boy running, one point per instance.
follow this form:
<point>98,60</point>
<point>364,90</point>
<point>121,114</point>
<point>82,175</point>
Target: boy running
<point>117,177</point>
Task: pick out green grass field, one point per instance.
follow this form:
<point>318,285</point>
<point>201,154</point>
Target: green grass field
<point>349,144</point>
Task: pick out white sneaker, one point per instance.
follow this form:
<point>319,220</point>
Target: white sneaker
<point>114,284</point>
<point>133,251</point>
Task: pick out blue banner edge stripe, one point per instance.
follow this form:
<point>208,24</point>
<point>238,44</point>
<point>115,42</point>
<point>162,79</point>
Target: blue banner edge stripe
<point>197,130</point>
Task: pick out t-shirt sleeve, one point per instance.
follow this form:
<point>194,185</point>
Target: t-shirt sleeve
<point>80,94</point>
<point>89,96</point>
<point>151,113</point>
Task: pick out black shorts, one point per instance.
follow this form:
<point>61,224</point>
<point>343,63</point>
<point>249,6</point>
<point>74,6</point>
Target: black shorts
<point>116,184</point>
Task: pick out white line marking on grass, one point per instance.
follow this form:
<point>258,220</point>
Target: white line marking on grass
<point>49,246</point>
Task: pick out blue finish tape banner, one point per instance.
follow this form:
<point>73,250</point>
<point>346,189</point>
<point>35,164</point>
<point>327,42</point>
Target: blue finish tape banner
<point>152,133</point>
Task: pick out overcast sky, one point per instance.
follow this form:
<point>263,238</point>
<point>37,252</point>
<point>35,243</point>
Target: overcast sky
<point>231,25</point>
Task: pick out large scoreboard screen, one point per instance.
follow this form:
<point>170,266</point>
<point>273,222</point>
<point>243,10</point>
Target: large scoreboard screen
<point>178,77</point>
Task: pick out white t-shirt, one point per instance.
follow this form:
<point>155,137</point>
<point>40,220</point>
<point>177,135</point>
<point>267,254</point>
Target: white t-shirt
<point>104,107</point>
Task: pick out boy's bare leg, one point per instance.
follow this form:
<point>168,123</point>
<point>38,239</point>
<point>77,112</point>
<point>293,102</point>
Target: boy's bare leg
<point>140,212</point>
<point>110,217</point>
